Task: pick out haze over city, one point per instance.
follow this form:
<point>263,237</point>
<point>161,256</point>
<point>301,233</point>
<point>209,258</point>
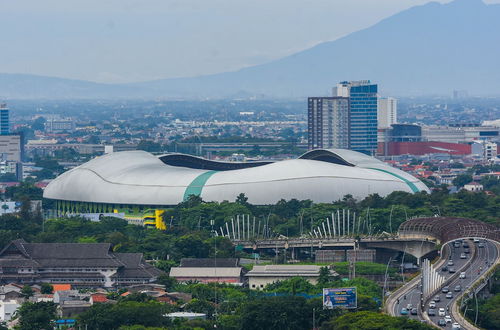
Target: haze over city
<point>249,165</point>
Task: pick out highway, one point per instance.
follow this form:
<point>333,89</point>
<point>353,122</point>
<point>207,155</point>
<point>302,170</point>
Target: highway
<point>478,261</point>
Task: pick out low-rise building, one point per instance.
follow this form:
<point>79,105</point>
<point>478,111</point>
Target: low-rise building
<point>7,309</point>
<point>81,265</point>
<point>260,276</point>
<point>474,187</point>
<point>206,270</point>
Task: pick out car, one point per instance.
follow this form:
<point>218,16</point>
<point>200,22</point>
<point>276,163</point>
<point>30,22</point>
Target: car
<point>450,263</point>
<point>442,322</point>
<point>467,251</point>
<point>465,246</point>
<point>409,306</point>
<point>463,256</point>
<point>441,312</point>
<point>456,326</point>
<point>458,288</point>
<point>451,270</point>
<point>432,304</point>
<point>447,318</point>
<point>444,269</point>
<point>476,240</point>
<point>462,275</point>
<point>449,295</point>
<point>445,289</point>
<point>403,311</point>
<point>437,298</point>
<point>431,312</point>
<point>480,245</point>
<point>414,311</point>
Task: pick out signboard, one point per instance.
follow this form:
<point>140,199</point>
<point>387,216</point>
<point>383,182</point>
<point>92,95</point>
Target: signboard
<point>340,298</point>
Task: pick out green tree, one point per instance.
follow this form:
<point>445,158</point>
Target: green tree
<point>462,180</point>
<point>39,315</point>
<point>46,288</point>
<point>200,306</point>
<point>324,277</point>
<point>372,321</point>
<point>279,313</point>
<point>27,291</point>
<point>169,282</point>
<point>242,199</point>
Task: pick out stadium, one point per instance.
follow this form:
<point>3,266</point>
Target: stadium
<point>134,182</point>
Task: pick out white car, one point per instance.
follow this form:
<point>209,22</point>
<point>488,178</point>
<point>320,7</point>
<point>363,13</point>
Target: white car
<point>462,275</point>
<point>432,304</point>
<point>447,319</point>
<point>441,312</point>
<point>456,326</point>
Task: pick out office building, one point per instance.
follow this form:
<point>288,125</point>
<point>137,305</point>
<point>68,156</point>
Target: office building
<point>4,119</point>
<point>362,114</point>
<point>387,112</point>
<point>328,122</point>
<point>10,147</point>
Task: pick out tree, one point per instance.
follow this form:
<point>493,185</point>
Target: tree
<point>372,321</point>
<point>149,146</point>
<point>39,315</point>
<point>278,313</point>
<point>462,179</point>
<point>324,276</point>
<point>242,199</point>
<point>46,288</point>
<point>200,306</point>
<point>27,291</point>
<point>169,282</point>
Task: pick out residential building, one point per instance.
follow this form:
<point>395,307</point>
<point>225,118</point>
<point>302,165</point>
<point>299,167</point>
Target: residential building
<point>328,122</point>
<point>82,265</point>
<point>58,125</point>
<point>4,119</point>
<point>260,276</point>
<point>387,112</point>
<point>7,309</point>
<point>474,187</point>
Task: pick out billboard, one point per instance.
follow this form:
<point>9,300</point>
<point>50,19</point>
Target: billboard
<point>340,298</point>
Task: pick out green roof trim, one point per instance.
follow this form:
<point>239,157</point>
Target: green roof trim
<point>410,184</point>
<point>196,186</point>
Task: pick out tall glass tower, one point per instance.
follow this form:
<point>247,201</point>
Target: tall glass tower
<point>363,114</point>
<point>4,119</point>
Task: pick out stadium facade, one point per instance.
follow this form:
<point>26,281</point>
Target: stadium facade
<point>137,180</point>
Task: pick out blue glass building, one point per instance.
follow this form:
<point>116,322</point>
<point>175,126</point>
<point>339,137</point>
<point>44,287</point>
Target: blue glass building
<point>362,112</point>
<point>4,120</point>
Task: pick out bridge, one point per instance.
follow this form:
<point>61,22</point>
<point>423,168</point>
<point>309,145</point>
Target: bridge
<point>417,237</point>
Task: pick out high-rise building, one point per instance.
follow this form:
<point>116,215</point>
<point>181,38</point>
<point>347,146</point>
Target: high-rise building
<point>4,119</point>
<point>328,122</point>
<point>387,112</point>
<point>362,114</point>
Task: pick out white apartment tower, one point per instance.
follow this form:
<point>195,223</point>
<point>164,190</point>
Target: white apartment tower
<point>387,112</point>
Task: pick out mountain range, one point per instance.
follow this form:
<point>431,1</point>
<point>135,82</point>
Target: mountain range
<point>425,50</point>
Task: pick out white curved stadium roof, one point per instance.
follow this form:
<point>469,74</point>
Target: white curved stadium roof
<point>138,177</point>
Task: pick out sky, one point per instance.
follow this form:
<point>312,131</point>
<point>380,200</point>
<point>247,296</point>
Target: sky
<point>119,41</point>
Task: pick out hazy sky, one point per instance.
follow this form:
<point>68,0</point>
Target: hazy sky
<point>136,40</point>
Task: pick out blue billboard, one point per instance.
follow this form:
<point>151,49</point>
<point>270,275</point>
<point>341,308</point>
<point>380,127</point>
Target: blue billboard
<point>340,298</point>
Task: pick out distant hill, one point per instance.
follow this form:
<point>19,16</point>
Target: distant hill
<point>429,49</point>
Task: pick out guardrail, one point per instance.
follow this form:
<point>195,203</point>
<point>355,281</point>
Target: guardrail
<point>389,305</point>
<point>447,282</point>
<point>456,312</point>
